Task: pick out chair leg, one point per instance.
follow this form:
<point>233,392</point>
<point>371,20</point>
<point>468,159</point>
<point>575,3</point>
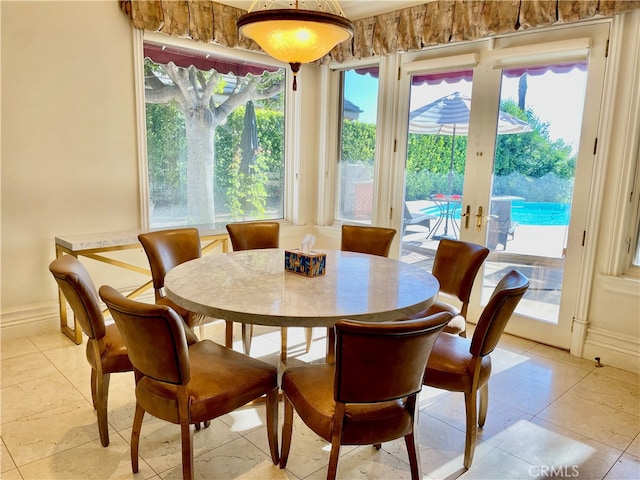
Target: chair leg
<point>135,436</point>
<point>206,424</point>
<point>414,456</point>
<point>470,400</point>
<point>336,439</point>
<point>187,451</point>
<point>228,334</point>
<point>247,335</point>
<point>287,428</point>
<point>484,404</point>
<point>283,344</point>
<point>94,387</point>
<point>411,440</point>
<point>308,332</point>
<point>331,345</point>
<point>101,400</point>
<point>334,456</point>
<point>272,424</point>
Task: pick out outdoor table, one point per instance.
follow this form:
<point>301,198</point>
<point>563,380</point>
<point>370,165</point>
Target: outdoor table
<point>449,206</point>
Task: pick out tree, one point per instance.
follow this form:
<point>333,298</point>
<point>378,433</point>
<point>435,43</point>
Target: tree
<point>533,154</point>
<point>192,91</point>
<point>518,157</point>
<point>358,142</point>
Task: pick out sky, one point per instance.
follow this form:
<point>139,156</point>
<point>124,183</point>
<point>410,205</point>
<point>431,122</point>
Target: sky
<point>555,98</point>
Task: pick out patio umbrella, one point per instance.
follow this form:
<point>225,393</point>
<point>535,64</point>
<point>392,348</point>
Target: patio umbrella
<point>449,115</point>
<point>249,139</point>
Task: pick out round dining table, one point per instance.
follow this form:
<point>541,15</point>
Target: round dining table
<point>253,287</point>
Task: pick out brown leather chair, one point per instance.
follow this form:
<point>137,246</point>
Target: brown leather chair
<point>458,364</point>
<point>455,266</point>
<point>166,249</point>
<point>364,239</point>
<point>186,384</point>
<point>369,395</point>
<point>106,351</point>
<point>252,236</point>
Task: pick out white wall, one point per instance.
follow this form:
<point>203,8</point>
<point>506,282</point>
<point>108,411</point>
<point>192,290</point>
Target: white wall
<point>69,162</point>
<point>70,166</point>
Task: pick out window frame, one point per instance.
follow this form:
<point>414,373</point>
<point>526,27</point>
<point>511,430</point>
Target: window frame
<point>292,105</point>
<point>383,188</point>
<point>633,221</point>
<point>336,218</point>
<point>622,148</point>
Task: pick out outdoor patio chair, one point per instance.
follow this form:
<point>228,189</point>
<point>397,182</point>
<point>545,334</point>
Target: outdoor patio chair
<point>421,219</point>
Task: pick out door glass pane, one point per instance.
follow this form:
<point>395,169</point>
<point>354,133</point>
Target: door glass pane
<point>354,192</point>
<point>533,179</point>
<point>440,105</point>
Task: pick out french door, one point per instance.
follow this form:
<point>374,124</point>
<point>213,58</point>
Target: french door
<point>499,152</point>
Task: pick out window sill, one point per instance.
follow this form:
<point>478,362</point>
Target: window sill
<point>622,284</point>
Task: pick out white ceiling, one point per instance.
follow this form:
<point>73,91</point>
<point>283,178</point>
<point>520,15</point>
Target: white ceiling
<point>353,9</point>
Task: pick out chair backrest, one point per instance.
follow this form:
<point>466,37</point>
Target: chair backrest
<point>456,265</point>
<point>381,361</point>
<point>365,239</point>
<point>254,235</point>
<point>407,213</point>
<point>166,249</point>
<point>81,294</point>
<point>154,336</point>
<point>498,311</point>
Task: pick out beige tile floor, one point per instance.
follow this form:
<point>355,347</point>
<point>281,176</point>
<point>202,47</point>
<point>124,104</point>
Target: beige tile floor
<point>550,415</point>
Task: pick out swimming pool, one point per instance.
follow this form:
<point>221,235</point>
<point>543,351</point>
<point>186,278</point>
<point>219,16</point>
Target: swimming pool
<point>540,213</point>
<point>528,213</point>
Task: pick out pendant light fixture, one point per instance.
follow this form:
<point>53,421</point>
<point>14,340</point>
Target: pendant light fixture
<point>296,35</point>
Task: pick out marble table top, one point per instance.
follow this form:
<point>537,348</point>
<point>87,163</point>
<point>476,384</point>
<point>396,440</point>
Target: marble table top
<point>89,241</point>
<point>252,286</point>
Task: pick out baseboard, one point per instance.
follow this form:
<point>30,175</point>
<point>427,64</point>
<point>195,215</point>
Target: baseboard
<point>614,349</point>
<point>41,318</point>
<point>29,320</point>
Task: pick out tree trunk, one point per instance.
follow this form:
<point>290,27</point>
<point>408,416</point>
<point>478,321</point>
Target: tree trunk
<point>200,154</point>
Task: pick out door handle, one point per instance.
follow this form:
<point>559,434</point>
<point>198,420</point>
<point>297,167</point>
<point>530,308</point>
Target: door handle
<point>479,218</point>
<point>467,215</point>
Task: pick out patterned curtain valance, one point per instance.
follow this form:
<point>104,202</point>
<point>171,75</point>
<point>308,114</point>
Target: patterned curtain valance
<point>432,23</point>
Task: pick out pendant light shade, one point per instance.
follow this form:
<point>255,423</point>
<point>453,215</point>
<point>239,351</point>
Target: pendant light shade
<point>295,35</point>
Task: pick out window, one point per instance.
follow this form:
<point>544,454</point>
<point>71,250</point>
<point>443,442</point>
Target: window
<point>355,172</point>
<point>634,241</point>
<point>215,137</point>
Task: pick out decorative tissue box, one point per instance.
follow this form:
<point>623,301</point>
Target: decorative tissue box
<point>307,264</point>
